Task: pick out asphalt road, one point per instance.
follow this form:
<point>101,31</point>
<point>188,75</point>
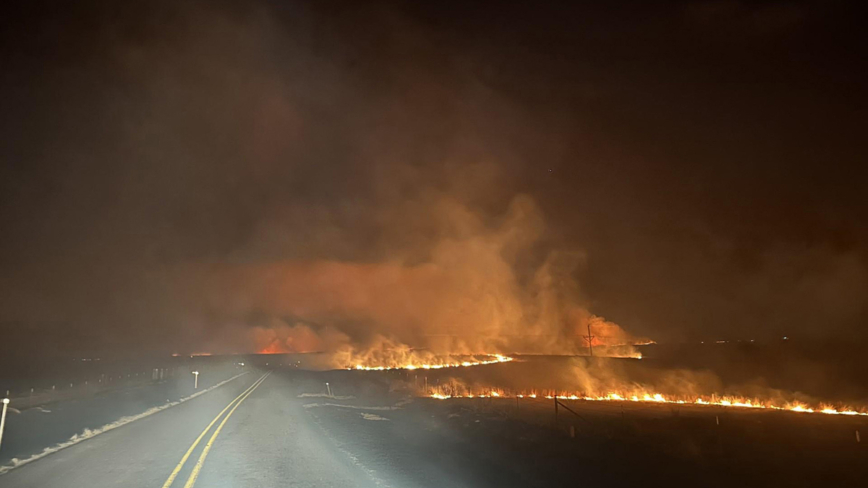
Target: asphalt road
<point>287,429</point>
<point>29,430</point>
<point>251,432</point>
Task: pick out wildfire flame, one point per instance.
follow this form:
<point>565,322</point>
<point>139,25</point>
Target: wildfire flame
<point>492,359</point>
<point>444,393</point>
<point>272,348</point>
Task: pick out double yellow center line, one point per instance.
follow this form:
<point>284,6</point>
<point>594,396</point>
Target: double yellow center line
<point>198,466</point>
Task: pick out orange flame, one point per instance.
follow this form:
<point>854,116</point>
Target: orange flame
<point>493,359</point>
<point>273,348</point>
<point>447,392</point>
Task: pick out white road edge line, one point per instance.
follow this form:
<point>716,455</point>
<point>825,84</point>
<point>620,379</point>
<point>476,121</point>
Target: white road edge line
<point>91,433</point>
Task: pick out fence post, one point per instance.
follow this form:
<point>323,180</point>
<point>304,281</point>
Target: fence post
<point>3,419</point>
<point>555,397</point>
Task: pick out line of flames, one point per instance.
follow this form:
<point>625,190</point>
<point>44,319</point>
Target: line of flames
<point>495,358</point>
<point>725,401</point>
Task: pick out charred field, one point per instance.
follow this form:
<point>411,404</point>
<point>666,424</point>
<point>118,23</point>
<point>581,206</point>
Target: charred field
<point>508,440</point>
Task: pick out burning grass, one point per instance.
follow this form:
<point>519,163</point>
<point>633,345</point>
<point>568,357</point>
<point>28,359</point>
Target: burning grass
<point>446,392</point>
<point>602,379</point>
<point>435,362</point>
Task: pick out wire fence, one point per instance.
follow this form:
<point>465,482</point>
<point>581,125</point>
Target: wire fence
<point>22,399</point>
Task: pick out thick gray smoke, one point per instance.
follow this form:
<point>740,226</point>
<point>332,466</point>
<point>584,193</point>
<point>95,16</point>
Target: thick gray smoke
<point>240,176</point>
<point>460,294</point>
<point>246,189</point>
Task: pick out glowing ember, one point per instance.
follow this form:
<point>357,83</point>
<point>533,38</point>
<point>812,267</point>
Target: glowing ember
<point>490,359</point>
<point>446,392</point>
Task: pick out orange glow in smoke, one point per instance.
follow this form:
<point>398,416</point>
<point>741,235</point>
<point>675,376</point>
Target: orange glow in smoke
<point>273,348</point>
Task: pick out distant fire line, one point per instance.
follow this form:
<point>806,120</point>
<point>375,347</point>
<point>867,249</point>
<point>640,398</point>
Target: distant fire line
<point>497,358</point>
<point>726,401</point>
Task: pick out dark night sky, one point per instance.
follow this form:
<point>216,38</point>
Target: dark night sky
<point>703,160</point>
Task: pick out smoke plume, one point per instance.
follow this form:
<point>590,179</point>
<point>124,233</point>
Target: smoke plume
<point>477,287</point>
